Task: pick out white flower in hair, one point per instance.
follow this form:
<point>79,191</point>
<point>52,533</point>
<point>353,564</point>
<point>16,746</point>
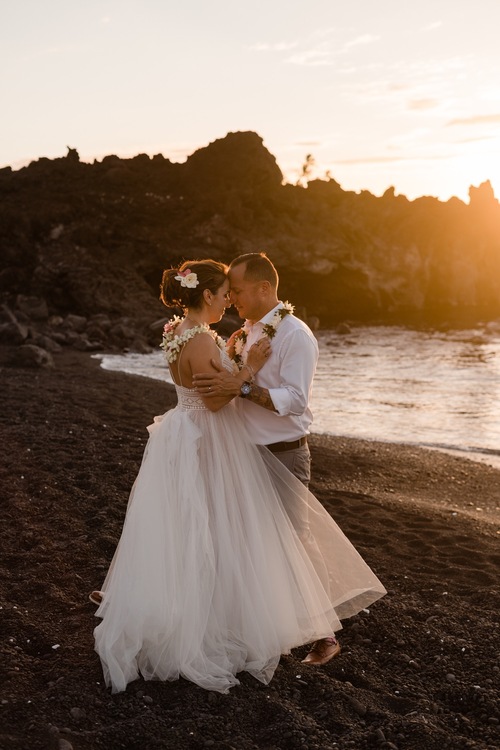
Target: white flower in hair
<point>188,278</point>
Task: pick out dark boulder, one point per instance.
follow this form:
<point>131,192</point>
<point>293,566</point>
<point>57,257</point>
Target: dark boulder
<point>34,308</point>
<point>29,355</point>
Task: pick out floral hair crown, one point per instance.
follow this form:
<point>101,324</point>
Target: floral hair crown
<point>187,278</point>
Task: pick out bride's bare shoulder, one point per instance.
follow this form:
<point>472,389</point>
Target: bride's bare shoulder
<point>202,344</point>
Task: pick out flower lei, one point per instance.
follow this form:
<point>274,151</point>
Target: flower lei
<point>172,343</point>
<point>269,331</point>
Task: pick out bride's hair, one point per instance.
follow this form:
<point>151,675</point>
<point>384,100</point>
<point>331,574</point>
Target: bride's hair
<point>210,274</point>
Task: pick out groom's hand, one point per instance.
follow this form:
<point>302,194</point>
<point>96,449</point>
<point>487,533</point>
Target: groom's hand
<point>218,383</point>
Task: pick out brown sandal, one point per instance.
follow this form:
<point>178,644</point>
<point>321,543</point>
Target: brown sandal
<point>96,597</point>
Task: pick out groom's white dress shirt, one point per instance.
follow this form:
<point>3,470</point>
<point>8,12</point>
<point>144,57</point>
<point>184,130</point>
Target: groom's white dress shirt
<point>288,375</point>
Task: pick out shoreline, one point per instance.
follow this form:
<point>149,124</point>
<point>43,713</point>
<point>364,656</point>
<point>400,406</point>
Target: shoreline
<point>483,456</point>
<point>152,366</point>
<point>488,457</point>
<point>409,665</point>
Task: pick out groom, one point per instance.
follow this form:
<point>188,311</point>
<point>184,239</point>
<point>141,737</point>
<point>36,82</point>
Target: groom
<point>275,403</point>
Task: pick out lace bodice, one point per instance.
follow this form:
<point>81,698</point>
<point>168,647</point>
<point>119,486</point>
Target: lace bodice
<point>188,399</point>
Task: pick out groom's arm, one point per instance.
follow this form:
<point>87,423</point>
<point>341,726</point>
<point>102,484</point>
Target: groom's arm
<point>298,356</point>
<point>224,383</point>
<point>261,397</point>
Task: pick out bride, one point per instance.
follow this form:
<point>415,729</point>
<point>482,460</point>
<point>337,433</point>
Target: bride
<point>226,561</point>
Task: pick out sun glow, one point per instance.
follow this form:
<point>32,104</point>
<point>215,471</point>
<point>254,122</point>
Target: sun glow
<point>478,162</point>
<point>406,98</point>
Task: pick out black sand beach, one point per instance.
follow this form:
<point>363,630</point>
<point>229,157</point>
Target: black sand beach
<point>419,671</point>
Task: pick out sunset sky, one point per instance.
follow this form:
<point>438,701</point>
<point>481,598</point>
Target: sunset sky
<point>387,93</point>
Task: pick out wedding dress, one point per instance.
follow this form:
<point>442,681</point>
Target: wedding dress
<point>225,561</point>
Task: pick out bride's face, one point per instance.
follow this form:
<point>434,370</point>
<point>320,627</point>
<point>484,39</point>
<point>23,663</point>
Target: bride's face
<point>220,301</point>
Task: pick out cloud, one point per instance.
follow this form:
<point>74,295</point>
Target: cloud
<point>320,55</point>
<point>326,52</point>
<point>389,159</point>
<point>371,160</point>
<point>363,39</point>
<point>418,85</point>
<point>475,120</point>
<point>274,47</point>
<point>474,140</point>
<point>433,26</point>
<point>420,104</point>
<point>396,86</point>
<point>409,137</point>
<point>321,47</point>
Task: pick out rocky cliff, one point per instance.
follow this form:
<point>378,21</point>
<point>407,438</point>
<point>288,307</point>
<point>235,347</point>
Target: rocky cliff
<point>82,246</point>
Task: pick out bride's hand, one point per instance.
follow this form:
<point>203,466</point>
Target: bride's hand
<point>259,353</point>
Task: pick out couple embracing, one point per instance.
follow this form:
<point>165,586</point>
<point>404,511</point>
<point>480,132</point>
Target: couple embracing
<point>226,560</point>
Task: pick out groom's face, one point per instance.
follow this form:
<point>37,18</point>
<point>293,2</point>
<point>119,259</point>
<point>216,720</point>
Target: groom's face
<point>245,294</point>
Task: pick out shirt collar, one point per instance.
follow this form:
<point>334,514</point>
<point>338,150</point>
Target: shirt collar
<point>266,319</point>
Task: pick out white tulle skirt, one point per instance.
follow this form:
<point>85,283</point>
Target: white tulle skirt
<point>225,561</point>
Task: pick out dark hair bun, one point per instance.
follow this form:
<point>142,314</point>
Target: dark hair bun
<point>210,274</point>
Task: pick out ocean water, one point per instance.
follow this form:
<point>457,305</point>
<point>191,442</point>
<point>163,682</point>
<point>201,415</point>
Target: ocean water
<point>431,388</point>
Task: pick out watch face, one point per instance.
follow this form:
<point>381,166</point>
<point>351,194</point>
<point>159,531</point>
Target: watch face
<point>246,388</point>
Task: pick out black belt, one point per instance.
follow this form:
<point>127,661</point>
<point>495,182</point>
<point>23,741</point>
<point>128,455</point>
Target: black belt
<point>282,447</point>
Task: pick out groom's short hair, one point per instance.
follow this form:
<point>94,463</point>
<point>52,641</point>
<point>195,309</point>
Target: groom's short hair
<point>258,267</point>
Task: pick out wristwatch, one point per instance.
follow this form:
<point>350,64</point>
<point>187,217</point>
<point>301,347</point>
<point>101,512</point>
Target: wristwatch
<point>245,389</point>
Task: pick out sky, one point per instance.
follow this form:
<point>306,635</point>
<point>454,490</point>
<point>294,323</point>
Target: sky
<point>382,93</point>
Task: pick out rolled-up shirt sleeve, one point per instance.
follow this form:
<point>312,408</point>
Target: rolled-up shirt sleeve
<point>298,357</point>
